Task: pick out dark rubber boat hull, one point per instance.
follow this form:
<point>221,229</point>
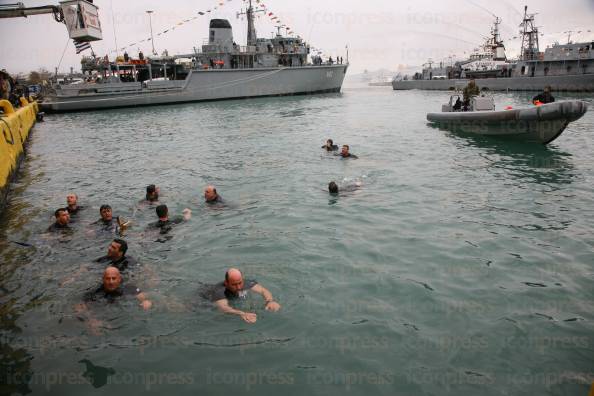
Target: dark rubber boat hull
<point>537,124</point>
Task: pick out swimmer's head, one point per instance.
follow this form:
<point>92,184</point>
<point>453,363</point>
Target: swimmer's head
<point>105,212</point>
<point>210,194</point>
<point>233,280</point>
<point>345,150</point>
<point>152,193</point>
<point>62,216</point>
<point>333,188</point>
<point>162,211</point>
<point>71,199</point>
<point>117,249</point>
<point>111,279</point>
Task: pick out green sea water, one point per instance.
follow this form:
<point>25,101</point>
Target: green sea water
<point>461,266</point>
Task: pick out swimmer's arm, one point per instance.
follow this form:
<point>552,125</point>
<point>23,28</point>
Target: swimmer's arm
<point>223,306</point>
<point>93,324</point>
<point>271,305</point>
<point>74,276</point>
<point>145,303</point>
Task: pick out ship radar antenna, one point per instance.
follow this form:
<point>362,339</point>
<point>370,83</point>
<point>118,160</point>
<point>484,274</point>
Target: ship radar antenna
<point>529,32</point>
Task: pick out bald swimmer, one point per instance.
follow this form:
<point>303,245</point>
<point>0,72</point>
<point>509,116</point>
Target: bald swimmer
<point>235,288</point>
<point>211,195</point>
<point>112,288</point>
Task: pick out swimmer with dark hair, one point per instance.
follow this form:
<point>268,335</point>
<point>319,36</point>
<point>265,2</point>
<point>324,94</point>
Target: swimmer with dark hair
<point>152,193</point>
<point>330,146</point>
<point>333,188</point>
<point>165,223</point>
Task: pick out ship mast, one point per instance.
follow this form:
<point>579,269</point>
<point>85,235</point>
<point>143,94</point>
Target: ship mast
<point>529,32</point>
<point>252,37</point>
<point>251,33</point>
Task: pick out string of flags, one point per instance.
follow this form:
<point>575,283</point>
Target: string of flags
<point>183,22</point>
<point>260,8</point>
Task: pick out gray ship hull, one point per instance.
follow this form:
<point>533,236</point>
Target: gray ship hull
<point>572,83</point>
<point>200,85</point>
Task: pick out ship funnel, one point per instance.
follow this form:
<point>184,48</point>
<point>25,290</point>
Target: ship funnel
<point>221,34</point>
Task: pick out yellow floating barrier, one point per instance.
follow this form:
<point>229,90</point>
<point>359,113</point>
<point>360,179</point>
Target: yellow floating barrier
<point>15,125</point>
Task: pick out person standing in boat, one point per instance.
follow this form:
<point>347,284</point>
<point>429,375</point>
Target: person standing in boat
<point>469,91</point>
<point>544,97</point>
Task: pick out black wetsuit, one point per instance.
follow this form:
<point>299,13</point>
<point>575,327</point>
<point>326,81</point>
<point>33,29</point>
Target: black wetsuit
<point>218,200</point>
<point>100,293</point>
<point>75,211</point>
<point>124,263</point>
<point>353,156</point>
<point>58,227</point>
<point>544,97</point>
<point>167,225</point>
<point>333,148</point>
<point>107,225</point>
<point>219,292</point>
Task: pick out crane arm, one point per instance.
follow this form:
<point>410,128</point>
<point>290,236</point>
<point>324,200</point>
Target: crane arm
<point>19,10</point>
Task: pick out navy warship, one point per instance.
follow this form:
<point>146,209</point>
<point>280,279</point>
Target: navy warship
<point>563,67</point>
<point>220,69</point>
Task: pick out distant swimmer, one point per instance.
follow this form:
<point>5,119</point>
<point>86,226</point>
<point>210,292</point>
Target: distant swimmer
<point>334,189</point>
<point>235,288</point>
<point>330,146</point>
<point>152,193</point>
<point>72,202</point>
<point>112,288</point>
<point>116,256</point>
<point>62,219</point>
<point>344,153</point>
<point>211,196</point>
<point>165,223</point>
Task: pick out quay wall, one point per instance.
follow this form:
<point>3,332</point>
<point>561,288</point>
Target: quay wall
<point>15,125</point>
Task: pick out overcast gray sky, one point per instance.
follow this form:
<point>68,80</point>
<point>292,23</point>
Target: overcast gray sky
<point>380,33</point>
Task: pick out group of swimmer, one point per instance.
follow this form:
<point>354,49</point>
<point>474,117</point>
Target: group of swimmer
<point>116,280</point>
<point>118,265</point>
<point>333,187</point>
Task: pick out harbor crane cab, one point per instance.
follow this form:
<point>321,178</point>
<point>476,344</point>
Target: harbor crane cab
<point>80,17</point>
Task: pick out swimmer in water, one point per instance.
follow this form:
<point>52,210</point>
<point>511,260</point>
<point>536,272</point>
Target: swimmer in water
<point>344,153</point>
<point>211,196</point>
<point>330,146</point>
<point>334,189</point>
<point>72,202</point>
<point>116,256</point>
<point>62,219</point>
<point>152,193</point>
<point>165,223</point>
<point>235,288</point>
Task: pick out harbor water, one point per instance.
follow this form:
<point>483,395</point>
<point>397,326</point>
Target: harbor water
<point>462,265</point>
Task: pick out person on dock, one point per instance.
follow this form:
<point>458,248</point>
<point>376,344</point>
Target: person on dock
<point>345,152</point>
<point>469,91</point>
<point>165,223</point>
<point>544,97</point>
<point>235,288</point>
<point>330,146</point>
<point>72,202</point>
<point>211,196</point>
<point>62,219</point>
